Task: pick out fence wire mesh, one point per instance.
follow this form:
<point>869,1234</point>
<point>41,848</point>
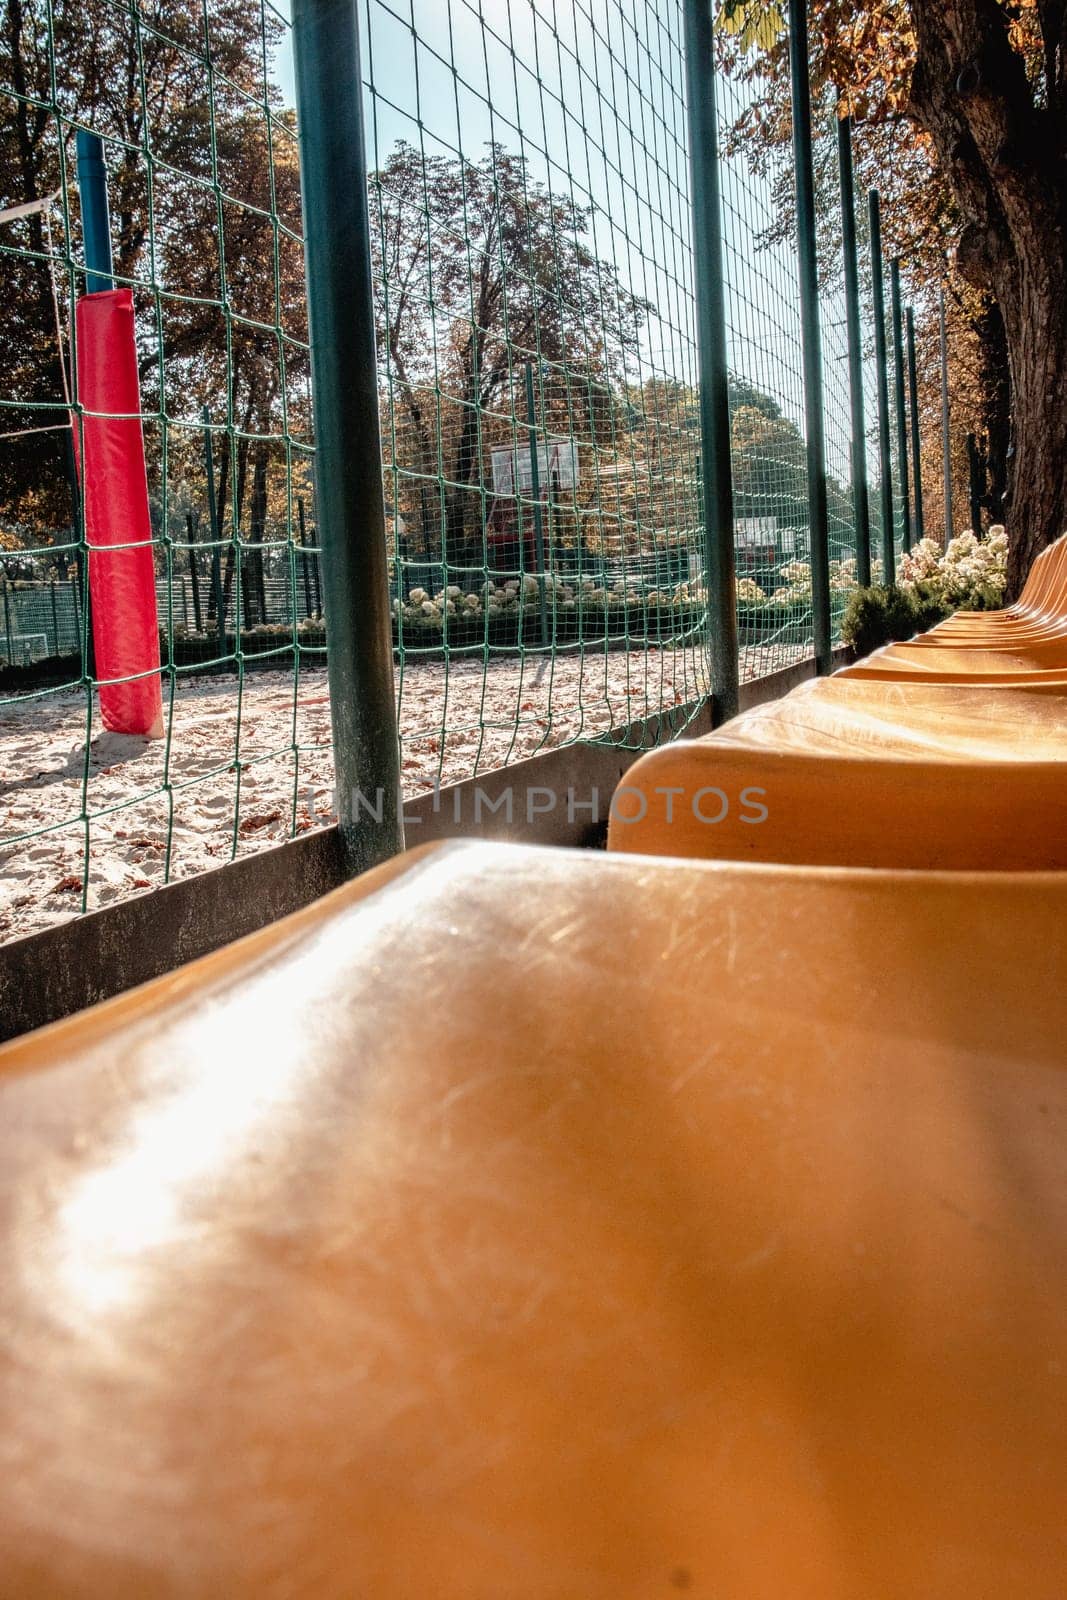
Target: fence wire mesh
<point>529,200</point>
<point>202,174</point>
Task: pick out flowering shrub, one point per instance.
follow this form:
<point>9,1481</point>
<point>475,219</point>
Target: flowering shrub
<point>969,575</point>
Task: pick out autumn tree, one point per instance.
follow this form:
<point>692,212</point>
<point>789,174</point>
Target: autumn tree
<point>210,245</point>
<point>480,269</point>
<point>963,109</point>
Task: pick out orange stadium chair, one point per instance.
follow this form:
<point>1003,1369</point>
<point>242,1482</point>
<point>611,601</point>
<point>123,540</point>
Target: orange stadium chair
<point>542,1224</point>
<point>852,773</point>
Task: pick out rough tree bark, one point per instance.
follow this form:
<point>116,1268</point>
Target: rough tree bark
<point>1005,151</point>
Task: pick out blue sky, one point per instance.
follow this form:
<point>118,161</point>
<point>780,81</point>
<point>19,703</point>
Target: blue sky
<point>592,92</point>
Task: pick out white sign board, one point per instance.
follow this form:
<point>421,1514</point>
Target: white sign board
<point>751,532</point>
<point>557,467</point>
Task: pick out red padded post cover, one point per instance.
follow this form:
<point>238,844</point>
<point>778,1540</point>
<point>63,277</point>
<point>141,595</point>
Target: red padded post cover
<point>115,494</point>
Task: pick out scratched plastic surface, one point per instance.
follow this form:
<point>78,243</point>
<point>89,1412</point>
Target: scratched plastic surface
<point>847,772</point>
<point>527,1225</point>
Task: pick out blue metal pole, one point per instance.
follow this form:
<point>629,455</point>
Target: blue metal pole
<point>96,224</point>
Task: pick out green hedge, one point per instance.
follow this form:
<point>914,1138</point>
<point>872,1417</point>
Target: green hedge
<point>887,614</point>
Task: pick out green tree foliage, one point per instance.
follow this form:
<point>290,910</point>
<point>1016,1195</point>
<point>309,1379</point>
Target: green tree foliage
<point>480,268</point>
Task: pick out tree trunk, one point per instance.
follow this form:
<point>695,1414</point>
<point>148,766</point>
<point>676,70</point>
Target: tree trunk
<point>1006,158</point>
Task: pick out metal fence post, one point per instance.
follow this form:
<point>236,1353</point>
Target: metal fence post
<point>190,533</point>
<point>811,340</point>
<point>861,507</point>
<point>885,462</point>
<point>913,402</point>
<point>350,494</point>
<point>946,431</point>
<point>216,534</point>
<point>716,475</point>
<point>898,396</point>
<point>976,475</point>
<point>535,493</point>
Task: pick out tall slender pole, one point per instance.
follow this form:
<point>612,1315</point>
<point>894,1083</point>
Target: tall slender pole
<point>190,533</point>
<point>885,463</point>
<point>913,404</point>
<point>716,474</point>
<point>898,396</point>
<point>946,420</point>
<point>535,491</point>
<point>213,525</point>
<point>350,495</point>
<point>976,471</point>
<point>861,509</point>
<point>305,560</point>
<point>96,224</point>
<point>811,340</point>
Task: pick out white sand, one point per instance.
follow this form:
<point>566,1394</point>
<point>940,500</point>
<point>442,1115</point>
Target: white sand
<point>227,796</point>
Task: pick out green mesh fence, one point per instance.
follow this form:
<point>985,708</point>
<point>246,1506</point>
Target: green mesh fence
<point>538,390</point>
<point>767,398</point>
<point>836,384</point>
<point>538,373</point>
<point>202,176</point>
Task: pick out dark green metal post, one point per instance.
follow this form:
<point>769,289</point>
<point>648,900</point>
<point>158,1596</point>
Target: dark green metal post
<point>305,560</point>
<point>913,402</point>
<point>716,472</point>
<point>861,508</point>
<point>213,524</point>
<point>535,492</point>
<point>190,530</point>
<point>946,421</point>
<point>885,463</point>
<point>811,338</point>
<point>350,497</point>
<point>976,473</point>
<point>898,396</point>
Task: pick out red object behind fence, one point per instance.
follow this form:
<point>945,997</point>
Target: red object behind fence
<point>122,582</point>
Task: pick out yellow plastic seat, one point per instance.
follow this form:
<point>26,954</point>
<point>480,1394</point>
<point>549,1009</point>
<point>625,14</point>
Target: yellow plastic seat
<point>852,773</point>
<point>552,1226</point>
<point>904,663</point>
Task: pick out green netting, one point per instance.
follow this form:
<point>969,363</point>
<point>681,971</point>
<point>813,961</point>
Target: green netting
<point>773,537</point>
<point>203,184</point>
<point>538,375</point>
<point>836,382</point>
<point>538,387</point>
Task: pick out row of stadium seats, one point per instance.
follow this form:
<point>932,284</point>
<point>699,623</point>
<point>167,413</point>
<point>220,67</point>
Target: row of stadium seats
<point>529,1224</point>
<point>885,764</point>
<point>1027,644</point>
